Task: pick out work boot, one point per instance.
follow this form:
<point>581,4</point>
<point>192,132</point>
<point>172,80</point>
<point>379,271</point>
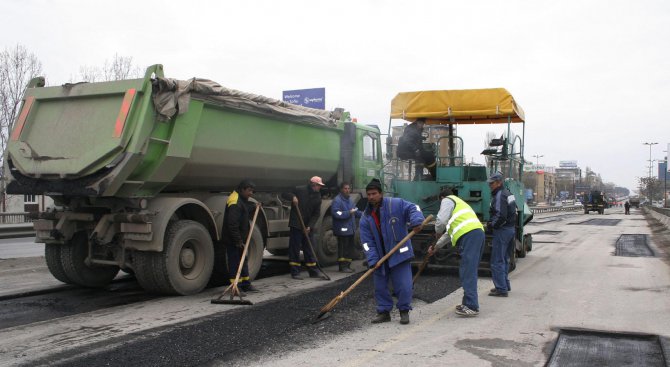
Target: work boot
<point>382,317</point>
<point>296,276</point>
<point>314,273</point>
<point>404,317</point>
<point>497,293</point>
<point>344,268</point>
<point>249,288</point>
<point>509,289</point>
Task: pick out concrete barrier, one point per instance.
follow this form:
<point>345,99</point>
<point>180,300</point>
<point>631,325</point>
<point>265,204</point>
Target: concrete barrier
<point>660,214</point>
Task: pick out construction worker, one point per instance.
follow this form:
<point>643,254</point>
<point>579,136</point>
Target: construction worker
<point>502,221</point>
<point>384,223</point>
<point>236,230</point>
<point>306,200</point>
<point>458,224</point>
<point>344,214</point>
<point>410,146</point>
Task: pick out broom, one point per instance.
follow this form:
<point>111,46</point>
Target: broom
<point>232,289</point>
<point>325,310</point>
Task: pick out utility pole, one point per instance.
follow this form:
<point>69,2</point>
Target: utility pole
<point>650,166</point>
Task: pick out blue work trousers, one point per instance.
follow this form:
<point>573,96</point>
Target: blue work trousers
<point>470,246</point>
<point>400,277</point>
<point>234,254</point>
<point>298,241</point>
<point>500,258</point>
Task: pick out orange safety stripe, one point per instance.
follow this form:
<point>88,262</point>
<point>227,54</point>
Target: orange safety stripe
<point>22,117</point>
<point>123,113</point>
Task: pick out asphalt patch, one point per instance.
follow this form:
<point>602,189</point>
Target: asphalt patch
<point>600,222</point>
<point>633,245</point>
<point>242,336</point>
<point>548,232</point>
<point>599,348</point>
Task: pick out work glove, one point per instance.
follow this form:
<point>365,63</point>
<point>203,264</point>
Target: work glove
<point>240,245</point>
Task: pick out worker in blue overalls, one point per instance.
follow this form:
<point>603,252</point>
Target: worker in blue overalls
<point>384,223</point>
<point>344,214</point>
<point>502,223</point>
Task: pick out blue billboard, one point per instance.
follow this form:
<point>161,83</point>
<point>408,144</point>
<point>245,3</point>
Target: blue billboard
<point>313,98</point>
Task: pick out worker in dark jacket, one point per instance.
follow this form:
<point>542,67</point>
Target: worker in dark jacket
<point>344,214</point>
<point>410,146</point>
<point>501,222</point>
<point>384,223</point>
<point>306,199</point>
<point>236,230</point>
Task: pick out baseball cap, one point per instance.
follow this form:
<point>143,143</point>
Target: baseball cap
<point>497,176</point>
<point>317,180</point>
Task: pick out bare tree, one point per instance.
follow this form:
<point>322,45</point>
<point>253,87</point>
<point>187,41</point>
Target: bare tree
<point>17,67</point>
<point>119,68</point>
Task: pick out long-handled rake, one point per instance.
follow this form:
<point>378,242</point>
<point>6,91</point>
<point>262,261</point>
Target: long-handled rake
<point>232,289</point>
<point>423,265</point>
<point>309,241</point>
<point>325,310</point>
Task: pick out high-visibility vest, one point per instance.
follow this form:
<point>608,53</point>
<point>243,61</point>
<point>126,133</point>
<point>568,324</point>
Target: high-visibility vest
<point>463,220</point>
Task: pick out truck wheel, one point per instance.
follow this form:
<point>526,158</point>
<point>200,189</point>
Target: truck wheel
<point>255,253</point>
<point>219,275</point>
<point>73,254</point>
<point>528,242</point>
<point>512,262</point>
<point>521,253</point>
<point>185,264</point>
<point>53,258</point>
<point>326,244</point>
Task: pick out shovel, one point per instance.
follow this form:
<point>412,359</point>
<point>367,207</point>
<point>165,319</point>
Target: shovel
<point>309,241</point>
<point>325,310</point>
<point>232,289</point>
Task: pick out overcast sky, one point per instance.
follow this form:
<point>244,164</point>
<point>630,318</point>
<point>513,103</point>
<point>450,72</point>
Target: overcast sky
<point>592,76</point>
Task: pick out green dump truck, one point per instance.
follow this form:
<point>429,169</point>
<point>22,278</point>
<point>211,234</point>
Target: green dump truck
<point>140,171</point>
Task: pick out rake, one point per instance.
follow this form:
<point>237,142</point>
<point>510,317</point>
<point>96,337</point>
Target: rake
<point>325,310</point>
<point>232,289</point>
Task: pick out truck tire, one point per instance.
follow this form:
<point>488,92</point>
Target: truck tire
<point>512,262</point>
<point>521,253</point>
<point>184,266</point>
<point>220,274</point>
<point>326,243</point>
<point>528,241</point>
<point>255,253</point>
<point>73,255</point>
<point>54,263</point>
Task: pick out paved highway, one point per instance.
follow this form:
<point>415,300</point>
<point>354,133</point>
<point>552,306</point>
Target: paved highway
<point>571,280</point>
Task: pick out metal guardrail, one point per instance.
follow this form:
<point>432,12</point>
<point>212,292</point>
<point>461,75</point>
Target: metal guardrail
<point>547,209</point>
<point>16,230</point>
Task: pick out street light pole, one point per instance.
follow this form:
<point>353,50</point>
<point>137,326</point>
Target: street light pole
<point>537,160</point>
<point>650,166</point>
